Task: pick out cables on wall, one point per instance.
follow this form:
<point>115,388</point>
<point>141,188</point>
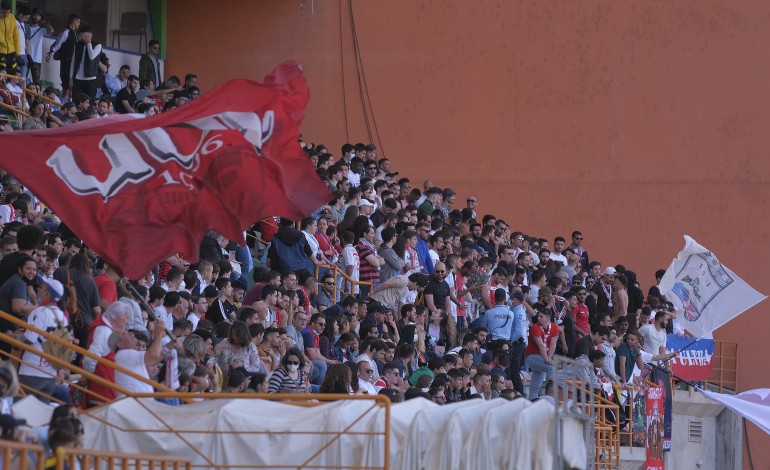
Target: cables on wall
<point>372,129</point>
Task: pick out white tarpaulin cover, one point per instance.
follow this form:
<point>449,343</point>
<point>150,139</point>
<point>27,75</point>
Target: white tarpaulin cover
<point>470,435</point>
<point>753,405</point>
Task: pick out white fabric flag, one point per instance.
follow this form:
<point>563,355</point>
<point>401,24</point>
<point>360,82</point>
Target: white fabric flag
<point>753,405</point>
<point>705,293</point>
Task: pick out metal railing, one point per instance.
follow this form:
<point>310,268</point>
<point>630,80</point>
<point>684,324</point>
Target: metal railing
<point>295,399</point>
<point>340,276</point>
<point>724,369</point>
<point>606,433</point>
<point>20,109</point>
<point>574,404</point>
<point>19,455</point>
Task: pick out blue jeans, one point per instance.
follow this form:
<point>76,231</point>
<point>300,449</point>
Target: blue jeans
<point>243,256</point>
<point>23,67</point>
<point>319,372</point>
<point>540,372</point>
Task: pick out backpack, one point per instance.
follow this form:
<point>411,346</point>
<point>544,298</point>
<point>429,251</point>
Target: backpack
<point>57,350</point>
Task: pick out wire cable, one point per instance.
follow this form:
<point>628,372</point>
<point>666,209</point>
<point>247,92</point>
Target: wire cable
<point>342,72</point>
<point>358,70</point>
<point>366,86</point>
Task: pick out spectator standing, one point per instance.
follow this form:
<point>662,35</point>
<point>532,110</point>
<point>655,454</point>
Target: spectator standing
<point>149,66</point>
<point>63,50</point>
<point>38,29</point>
<point>85,63</point>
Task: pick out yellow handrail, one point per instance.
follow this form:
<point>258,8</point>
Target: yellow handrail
<point>20,109</point>
<point>43,98</point>
<point>20,455</point>
<point>337,271</point>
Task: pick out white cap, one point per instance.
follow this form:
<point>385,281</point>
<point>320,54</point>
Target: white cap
<point>609,271</point>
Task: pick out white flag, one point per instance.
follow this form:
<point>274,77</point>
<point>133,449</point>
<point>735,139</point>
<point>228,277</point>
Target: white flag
<point>705,293</point>
<point>753,405</point>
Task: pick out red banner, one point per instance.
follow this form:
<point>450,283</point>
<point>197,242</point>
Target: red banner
<point>654,423</point>
<point>138,190</point>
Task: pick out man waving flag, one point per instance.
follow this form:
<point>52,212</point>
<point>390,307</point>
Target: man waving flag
<point>705,293</point>
<point>137,190</point>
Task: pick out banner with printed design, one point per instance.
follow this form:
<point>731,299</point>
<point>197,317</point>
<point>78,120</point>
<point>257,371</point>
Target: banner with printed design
<point>693,363</point>
<point>654,402</point>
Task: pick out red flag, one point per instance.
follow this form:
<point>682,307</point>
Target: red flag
<point>139,190</point>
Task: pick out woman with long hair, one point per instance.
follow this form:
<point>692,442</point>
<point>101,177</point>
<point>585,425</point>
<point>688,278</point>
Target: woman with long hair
<point>448,335</point>
<point>37,116</point>
<point>351,214</point>
<point>338,379</point>
<point>290,378</point>
<point>238,351</point>
<point>327,337</point>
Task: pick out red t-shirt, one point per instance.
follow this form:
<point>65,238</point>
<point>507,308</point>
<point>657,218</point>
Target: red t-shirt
<point>107,289</point>
<point>538,332</point>
<point>580,314</point>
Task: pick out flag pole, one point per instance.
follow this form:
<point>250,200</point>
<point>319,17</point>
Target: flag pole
<point>150,312</point>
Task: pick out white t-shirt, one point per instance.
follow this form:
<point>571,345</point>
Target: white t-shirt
<point>653,339</point>
<point>36,43</point>
<point>312,243</point>
<point>365,385</point>
<point>43,318</point>
<point>557,257</point>
<point>132,360</point>
<point>350,258</point>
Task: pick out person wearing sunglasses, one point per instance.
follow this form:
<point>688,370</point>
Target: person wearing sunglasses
<point>498,385</point>
<point>290,377</point>
<point>366,378</point>
<point>577,248</point>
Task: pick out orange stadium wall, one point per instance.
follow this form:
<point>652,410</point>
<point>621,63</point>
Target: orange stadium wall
<point>634,122</point>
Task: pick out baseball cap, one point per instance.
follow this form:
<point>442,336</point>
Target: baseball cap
<point>185,295</point>
<point>518,295</point>
<point>55,288</point>
<point>609,271</point>
<point>365,202</point>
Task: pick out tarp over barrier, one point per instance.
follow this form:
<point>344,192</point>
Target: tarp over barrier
<point>469,435</point>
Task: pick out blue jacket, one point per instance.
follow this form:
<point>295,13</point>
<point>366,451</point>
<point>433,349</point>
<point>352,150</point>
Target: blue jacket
<point>422,252</point>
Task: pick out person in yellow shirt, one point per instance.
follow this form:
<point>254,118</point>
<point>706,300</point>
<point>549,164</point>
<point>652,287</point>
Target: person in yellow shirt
<point>9,36</point>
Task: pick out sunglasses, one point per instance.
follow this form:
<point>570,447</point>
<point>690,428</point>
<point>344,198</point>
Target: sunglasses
<point>321,324</point>
<point>328,283</point>
<point>578,238</point>
<point>368,371</point>
<point>292,363</point>
<point>439,271</point>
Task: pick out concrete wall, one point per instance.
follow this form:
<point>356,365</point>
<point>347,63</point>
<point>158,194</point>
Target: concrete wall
<point>635,122</point>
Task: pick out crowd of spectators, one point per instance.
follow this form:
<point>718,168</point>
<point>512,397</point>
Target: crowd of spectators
<point>388,288</point>
<point>86,87</point>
